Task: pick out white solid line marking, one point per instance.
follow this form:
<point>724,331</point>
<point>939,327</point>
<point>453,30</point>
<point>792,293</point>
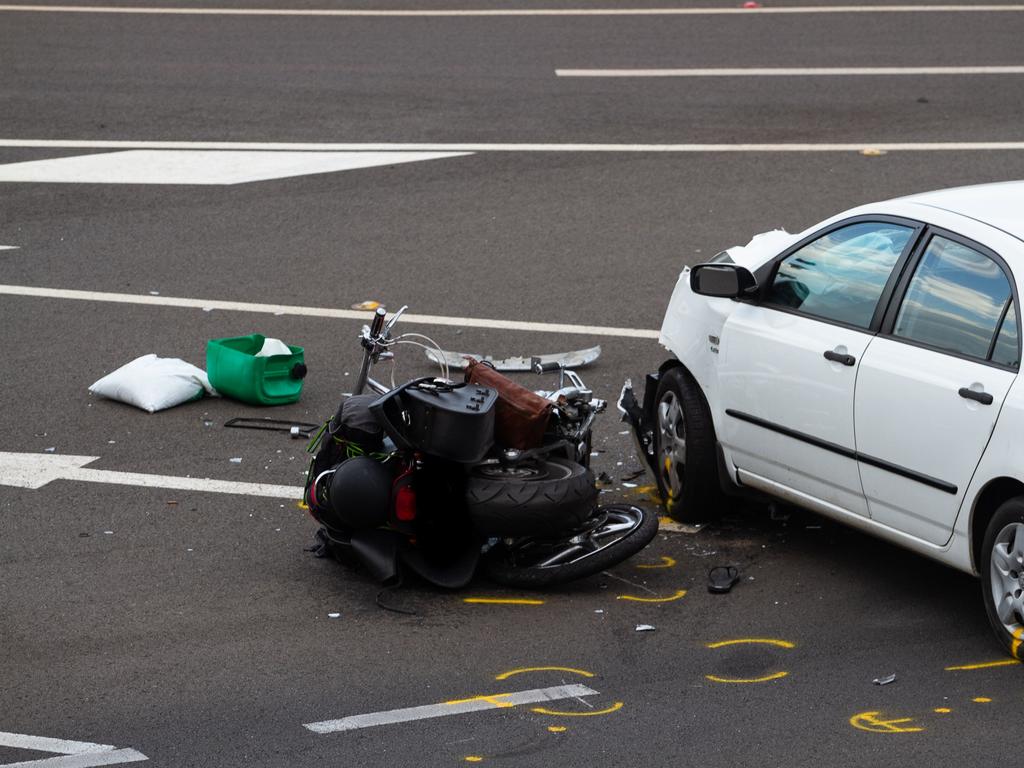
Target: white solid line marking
<point>518,11</point>
<point>34,470</point>
<point>476,704</point>
<point>791,71</point>
<point>889,146</point>
<point>8,247</point>
<point>343,314</point>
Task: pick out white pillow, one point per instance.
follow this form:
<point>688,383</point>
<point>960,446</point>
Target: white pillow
<point>154,383</point>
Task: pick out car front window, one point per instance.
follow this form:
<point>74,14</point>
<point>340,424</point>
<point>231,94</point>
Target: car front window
<point>841,275</point>
<point>957,300</point>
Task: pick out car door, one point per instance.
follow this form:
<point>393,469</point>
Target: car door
<point>789,361</point>
<point>931,385</point>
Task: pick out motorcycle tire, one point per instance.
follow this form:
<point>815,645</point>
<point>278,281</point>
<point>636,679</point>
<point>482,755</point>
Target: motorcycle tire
<point>539,498</point>
<point>612,534</point>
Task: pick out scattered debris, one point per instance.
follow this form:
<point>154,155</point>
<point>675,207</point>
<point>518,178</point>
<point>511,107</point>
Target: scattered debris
<point>296,429</point>
<point>334,615</point>
<point>172,503</point>
<point>49,450</point>
<point>537,363</point>
<point>602,479</point>
<point>154,383</point>
<point>236,460</point>
<point>629,485</point>
<point>599,610</point>
<point>634,475</point>
<point>367,305</point>
<point>885,680</point>
<point>644,628</point>
<point>722,578</point>
<point>872,152</point>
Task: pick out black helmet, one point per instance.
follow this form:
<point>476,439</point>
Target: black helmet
<point>359,494</point>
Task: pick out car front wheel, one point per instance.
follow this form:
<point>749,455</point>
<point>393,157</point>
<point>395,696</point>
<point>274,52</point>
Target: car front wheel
<point>1002,574</point>
<point>684,441</point>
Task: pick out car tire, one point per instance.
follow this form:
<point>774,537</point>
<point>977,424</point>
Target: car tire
<point>1002,574</point>
<point>684,445</point>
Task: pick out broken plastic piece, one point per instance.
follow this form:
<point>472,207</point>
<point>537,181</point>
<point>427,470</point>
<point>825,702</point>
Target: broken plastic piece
<point>644,628</point>
<point>884,680</point>
<point>577,359</point>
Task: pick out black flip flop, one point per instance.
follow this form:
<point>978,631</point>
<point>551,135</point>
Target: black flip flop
<point>722,578</point>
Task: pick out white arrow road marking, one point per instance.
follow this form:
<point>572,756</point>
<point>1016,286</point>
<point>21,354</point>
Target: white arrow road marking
<point>34,470</point>
<point>200,166</point>
<point>73,754</point>
<point>458,707</point>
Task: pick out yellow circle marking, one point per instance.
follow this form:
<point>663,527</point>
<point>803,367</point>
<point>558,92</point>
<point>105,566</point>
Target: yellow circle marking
<point>613,708</point>
<point>666,562</point>
<point>557,728</point>
<point>754,641</point>
<point>765,679</point>
<point>512,672</point>
<point>669,599</point>
<point>981,700</point>
<point>943,710</point>
<point>871,722</point>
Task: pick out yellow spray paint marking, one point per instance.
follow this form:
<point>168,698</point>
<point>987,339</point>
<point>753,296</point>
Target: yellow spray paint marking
<point>613,708</point>
<point>557,728</point>
<point>666,562</point>
<point>493,699</point>
<point>669,599</point>
<point>1018,633</point>
<point>753,640</point>
<point>765,679</point>
<point>302,505</point>
<point>501,601</point>
<point>512,672</point>
<point>871,722</point>
<point>473,759</point>
<point>943,710</point>
<point>984,665</point>
<point>981,700</point>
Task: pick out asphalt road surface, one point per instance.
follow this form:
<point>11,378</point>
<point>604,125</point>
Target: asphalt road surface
<point>192,629</point>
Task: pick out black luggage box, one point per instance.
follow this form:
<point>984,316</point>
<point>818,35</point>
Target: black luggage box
<point>450,421</point>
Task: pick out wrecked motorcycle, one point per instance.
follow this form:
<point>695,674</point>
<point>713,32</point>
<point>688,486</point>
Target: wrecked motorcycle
<point>445,479</point>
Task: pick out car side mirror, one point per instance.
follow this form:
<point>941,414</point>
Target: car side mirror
<point>726,281</point>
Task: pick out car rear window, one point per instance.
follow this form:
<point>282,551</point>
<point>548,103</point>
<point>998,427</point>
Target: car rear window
<point>957,300</point>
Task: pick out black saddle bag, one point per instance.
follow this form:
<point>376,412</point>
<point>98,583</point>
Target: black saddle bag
<point>450,421</point>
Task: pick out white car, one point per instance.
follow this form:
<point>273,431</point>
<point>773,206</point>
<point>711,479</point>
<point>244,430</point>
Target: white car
<point>866,369</point>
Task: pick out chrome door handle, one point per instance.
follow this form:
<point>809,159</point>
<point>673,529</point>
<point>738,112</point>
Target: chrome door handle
<point>982,397</point>
<point>835,357</point>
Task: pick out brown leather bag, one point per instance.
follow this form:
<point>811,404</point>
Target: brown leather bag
<point>521,416</point>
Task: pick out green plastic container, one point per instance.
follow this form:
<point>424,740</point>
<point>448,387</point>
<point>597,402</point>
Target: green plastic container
<point>235,371</point>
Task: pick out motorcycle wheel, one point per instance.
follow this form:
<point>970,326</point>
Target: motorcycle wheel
<point>610,535</point>
<point>538,498</point>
